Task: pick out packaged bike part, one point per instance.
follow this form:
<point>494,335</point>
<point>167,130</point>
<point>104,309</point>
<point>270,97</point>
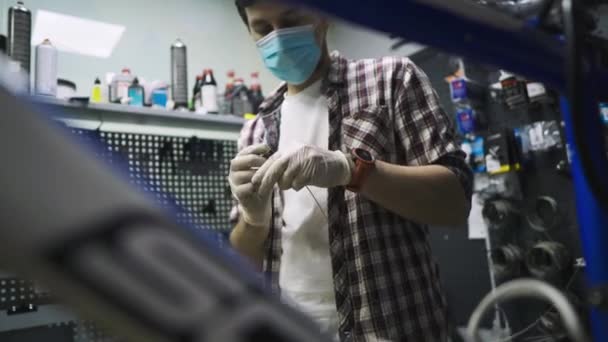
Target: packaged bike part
<point>544,135</point>
<point>465,116</point>
<point>478,163</point>
<point>463,90</point>
<point>514,91</point>
<point>501,153</point>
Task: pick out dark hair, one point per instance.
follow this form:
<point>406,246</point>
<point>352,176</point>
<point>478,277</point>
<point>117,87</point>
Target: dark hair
<point>240,5</point>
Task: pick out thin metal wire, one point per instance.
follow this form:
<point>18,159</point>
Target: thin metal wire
<point>311,195</point>
<point>318,204</point>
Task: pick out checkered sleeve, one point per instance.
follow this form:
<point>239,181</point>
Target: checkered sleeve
<point>252,133</point>
<point>457,164</point>
<point>426,132</point>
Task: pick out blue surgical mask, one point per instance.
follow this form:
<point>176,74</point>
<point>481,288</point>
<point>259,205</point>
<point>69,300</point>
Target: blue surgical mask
<point>291,54</point>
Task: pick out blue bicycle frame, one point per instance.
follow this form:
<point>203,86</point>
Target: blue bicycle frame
<point>482,34</point>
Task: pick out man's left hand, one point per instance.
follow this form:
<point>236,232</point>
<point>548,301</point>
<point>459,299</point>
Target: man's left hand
<point>304,166</point>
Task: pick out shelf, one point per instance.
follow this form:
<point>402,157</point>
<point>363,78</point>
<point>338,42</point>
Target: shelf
<point>45,315</point>
<point>140,120</point>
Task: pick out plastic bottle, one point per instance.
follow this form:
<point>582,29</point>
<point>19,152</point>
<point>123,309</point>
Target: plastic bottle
<point>136,94</point>
<point>109,92</point>
<point>229,85</point>
<point>227,102</point>
<point>97,92</point>
<point>197,101</point>
<point>241,104</point>
<point>256,92</point>
<point>160,97</point>
<point>209,93</point>
<point>45,77</point>
<point>121,84</point>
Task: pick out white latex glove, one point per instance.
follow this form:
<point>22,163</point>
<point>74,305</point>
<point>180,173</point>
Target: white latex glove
<point>304,166</point>
<point>255,206</point>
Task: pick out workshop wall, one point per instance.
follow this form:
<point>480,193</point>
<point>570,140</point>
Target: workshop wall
<point>212,30</point>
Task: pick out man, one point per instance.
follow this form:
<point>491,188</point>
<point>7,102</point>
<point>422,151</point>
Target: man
<point>363,159</point>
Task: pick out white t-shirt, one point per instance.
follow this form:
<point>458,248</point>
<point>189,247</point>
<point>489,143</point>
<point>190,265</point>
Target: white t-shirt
<point>306,278</point>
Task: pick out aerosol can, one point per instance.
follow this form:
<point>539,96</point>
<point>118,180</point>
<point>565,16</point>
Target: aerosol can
<point>20,36</point>
<point>45,77</point>
<point>179,74</point>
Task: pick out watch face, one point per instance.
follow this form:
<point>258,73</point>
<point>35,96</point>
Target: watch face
<point>364,155</point>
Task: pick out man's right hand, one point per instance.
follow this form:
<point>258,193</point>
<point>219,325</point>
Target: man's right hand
<point>254,204</point>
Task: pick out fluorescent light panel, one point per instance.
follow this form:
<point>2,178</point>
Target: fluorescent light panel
<point>77,35</point>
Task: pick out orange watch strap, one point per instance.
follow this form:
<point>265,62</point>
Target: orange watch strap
<point>360,174</point>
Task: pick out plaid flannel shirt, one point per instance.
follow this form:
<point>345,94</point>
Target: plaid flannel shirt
<point>386,281</point>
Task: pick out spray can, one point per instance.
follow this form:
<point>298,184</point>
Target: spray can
<point>46,69</point>
<point>179,74</point>
<point>20,36</point>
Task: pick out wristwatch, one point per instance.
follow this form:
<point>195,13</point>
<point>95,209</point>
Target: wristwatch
<point>364,164</point>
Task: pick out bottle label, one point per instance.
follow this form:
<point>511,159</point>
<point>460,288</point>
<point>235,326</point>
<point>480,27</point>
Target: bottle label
<point>122,90</point>
<point>96,95</point>
<point>159,98</point>
<point>137,98</point>
<point>209,98</point>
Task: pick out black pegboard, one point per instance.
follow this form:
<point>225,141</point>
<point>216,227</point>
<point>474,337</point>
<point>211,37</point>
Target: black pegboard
<point>87,331</point>
<point>188,175</point>
<point>18,293</point>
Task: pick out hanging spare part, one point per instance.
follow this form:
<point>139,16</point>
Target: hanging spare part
<point>466,119</point>
<point>465,90</point>
<point>477,157</point>
<point>545,216</point>
<point>507,261</point>
<point>514,92</point>
<point>549,261</point>
<point>500,214</point>
<point>502,153</point>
